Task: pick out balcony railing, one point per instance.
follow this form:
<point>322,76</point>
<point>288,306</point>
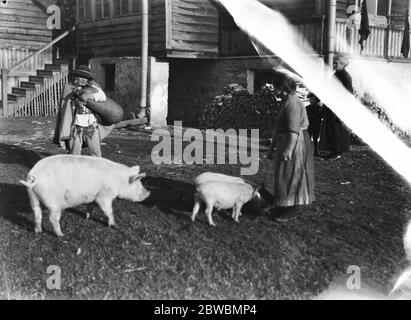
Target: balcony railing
<point>383,42</point>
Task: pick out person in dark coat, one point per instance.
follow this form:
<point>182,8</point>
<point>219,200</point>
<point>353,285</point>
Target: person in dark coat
<point>76,125</point>
<point>335,137</point>
<point>314,113</point>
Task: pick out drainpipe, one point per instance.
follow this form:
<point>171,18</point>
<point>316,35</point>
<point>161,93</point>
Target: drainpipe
<point>144,59</point>
<point>332,13</point>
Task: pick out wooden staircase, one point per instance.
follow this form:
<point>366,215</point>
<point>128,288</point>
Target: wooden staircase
<point>41,94</point>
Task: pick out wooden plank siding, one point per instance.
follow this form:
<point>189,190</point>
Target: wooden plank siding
<point>294,8</point>
<point>121,36</point>
<point>200,29</point>
<point>20,22</point>
<point>23,30</point>
<point>398,11</point>
<point>303,13</point>
<point>194,28</point>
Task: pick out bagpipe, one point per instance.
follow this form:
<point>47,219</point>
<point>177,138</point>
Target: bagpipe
<point>109,112</point>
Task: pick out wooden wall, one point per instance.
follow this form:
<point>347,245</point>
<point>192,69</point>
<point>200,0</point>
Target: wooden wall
<point>293,9</point>
<point>398,10</point>
<point>23,30</point>
<point>233,42</point>
<point>121,36</point>
<point>193,28</point>
<point>23,24</point>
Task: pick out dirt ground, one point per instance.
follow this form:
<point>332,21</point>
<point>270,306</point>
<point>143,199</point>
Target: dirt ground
<point>157,253</point>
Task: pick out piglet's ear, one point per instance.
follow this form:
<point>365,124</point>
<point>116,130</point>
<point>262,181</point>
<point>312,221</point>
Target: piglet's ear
<point>137,177</point>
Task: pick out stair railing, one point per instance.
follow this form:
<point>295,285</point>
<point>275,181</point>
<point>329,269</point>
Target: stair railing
<point>6,72</point>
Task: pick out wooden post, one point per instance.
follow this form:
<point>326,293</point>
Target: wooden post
<point>78,10</point>
<point>388,32</point>
<point>4,91</point>
<point>92,3</point>
<point>144,59</point>
<point>332,12</point>
<point>111,9</point>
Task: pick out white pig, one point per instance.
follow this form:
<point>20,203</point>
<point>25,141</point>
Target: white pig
<point>67,181</point>
<point>223,195</point>
<point>211,176</point>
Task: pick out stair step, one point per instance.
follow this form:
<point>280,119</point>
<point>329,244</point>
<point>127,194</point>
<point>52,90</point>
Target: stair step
<point>20,91</point>
<point>52,67</point>
<point>15,97</point>
<point>8,102</point>
<point>45,73</point>
<point>29,85</point>
<point>36,79</point>
<point>61,62</point>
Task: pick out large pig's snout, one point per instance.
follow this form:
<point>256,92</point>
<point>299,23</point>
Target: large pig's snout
<point>145,194</point>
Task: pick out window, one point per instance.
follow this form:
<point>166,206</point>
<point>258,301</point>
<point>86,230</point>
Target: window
<point>102,9</point>
<point>377,7</point>
<point>137,6</point>
<point>109,77</point>
<point>121,7</point>
<point>382,7</point>
<point>84,12</point>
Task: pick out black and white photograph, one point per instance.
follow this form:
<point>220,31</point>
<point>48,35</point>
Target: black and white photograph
<point>227,152</point>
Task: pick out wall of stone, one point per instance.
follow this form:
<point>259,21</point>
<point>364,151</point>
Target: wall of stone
<point>158,88</point>
<point>127,81</point>
<point>128,85</point>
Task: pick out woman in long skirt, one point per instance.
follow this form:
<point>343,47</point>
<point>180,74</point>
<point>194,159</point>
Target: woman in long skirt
<point>292,153</point>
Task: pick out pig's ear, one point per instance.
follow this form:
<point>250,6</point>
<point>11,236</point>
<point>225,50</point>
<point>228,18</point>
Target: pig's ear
<point>137,177</point>
<point>135,170</point>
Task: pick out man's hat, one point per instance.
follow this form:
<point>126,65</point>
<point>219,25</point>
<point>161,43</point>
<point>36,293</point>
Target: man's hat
<point>84,72</point>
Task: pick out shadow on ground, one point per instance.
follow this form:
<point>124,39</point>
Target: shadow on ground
<point>170,196</point>
<point>15,205</point>
<point>10,154</point>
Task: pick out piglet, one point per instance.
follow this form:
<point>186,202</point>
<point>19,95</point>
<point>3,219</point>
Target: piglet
<point>223,195</point>
<point>67,181</point>
<point>260,205</point>
<point>211,176</point>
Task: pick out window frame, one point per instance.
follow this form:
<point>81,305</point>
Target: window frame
<point>101,4</point>
<point>128,13</point>
<point>84,7</point>
<point>89,10</point>
<point>375,11</point>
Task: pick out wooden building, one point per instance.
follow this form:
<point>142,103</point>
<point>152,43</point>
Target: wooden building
<point>200,29</point>
<point>31,87</point>
<point>23,30</point>
<point>198,40</point>
<point>205,49</point>
<point>177,28</point>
